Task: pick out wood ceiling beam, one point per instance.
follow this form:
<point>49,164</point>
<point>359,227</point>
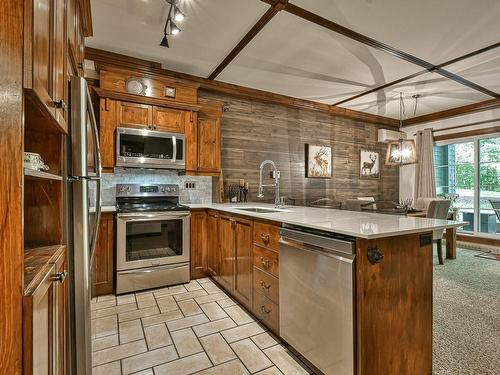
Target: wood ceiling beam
<point>105,59</point>
<point>458,111</point>
<point>276,6</point>
<point>411,76</point>
<point>332,26</point>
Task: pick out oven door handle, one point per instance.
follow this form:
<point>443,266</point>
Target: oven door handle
<point>144,217</point>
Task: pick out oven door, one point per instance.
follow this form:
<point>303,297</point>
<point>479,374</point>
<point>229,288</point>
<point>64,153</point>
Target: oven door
<point>142,148</point>
<point>152,239</point>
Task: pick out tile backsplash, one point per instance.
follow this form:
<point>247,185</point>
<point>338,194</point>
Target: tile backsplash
<point>201,193</point>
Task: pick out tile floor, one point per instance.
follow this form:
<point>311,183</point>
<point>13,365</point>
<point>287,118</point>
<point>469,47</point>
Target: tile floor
<point>193,328</point>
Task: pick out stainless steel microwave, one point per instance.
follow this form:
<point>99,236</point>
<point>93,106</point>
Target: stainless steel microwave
<point>143,148</point>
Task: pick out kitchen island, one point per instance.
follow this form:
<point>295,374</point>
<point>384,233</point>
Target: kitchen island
<point>238,245</point>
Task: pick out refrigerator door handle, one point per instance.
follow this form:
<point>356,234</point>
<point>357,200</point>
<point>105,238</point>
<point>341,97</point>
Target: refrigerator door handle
<point>97,178</point>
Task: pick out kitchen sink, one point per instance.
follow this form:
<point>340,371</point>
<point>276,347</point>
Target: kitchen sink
<point>260,210</point>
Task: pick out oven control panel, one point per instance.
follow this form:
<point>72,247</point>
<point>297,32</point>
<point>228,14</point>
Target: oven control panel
<point>147,190</point>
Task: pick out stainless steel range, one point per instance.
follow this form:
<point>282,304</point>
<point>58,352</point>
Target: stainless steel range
<point>152,237</point>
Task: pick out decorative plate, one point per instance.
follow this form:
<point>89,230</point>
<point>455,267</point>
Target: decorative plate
<point>135,86</point>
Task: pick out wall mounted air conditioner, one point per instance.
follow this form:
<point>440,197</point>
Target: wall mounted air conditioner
<point>386,135</point>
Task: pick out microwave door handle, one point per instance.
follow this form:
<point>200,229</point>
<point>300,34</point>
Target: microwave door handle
<point>174,149</point>
<point>98,167</point>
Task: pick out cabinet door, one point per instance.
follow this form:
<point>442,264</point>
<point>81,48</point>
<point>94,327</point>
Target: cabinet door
<point>191,136</point>
<point>59,94</point>
<point>102,267</point>
<point>209,145</point>
<point>243,261</point>
<point>168,120</point>
<point>42,44</point>
<point>213,244</point>
<point>134,115</point>
<point>198,243</point>
<point>60,327</point>
<point>226,241</point>
<point>107,140</point>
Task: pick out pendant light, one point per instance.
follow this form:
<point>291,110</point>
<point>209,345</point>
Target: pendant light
<point>402,151</point>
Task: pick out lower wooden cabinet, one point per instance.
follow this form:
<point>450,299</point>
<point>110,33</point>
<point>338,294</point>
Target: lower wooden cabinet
<point>45,328</point>
<point>243,261</point>
<point>198,243</point>
<point>102,266</point>
<point>213,250</point>
<point>226,243</point>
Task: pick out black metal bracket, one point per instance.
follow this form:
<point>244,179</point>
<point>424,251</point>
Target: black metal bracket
<point>374,255</point>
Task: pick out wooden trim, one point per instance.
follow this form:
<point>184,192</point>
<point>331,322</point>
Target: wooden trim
<point>110,60</point>
<point>145,100</point>
<point>475,238</point>
<point>458,111</point>
<point>11,186</point>
<point>259,25</point>
<point>330,25</point>
<point>467,134</point>
<point>86,17</point>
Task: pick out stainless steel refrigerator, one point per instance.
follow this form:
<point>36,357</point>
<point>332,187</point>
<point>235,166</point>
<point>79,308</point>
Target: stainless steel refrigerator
<point>83,208</point>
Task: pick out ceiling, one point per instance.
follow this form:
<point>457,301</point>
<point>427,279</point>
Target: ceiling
<point>295,57</point>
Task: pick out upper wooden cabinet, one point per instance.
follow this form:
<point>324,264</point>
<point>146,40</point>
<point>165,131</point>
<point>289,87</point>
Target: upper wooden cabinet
<point>134,115</point>
<point>169,119</point>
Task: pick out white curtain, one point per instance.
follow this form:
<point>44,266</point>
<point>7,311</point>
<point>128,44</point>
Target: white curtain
<point>425,179</point>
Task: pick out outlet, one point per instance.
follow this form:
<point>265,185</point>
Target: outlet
<point>190,185</point>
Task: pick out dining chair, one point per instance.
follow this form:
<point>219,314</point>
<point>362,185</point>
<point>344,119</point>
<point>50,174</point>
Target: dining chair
<point>438,209</point>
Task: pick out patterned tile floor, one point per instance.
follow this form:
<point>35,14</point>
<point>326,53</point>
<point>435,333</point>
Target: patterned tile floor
<point>193,328</point>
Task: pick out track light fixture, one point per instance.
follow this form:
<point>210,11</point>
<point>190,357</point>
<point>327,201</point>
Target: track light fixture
<point>174,13</point>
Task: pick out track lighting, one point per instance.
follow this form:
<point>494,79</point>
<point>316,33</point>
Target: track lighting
<point>174,30</point>
<point>174,13</point>
<point>178,15</point>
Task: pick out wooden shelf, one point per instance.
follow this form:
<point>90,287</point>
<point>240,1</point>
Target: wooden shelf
<point>37,264</point>
<point>32,174</point>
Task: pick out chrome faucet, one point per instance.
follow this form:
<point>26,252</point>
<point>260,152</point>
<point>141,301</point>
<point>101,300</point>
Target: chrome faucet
<point>276,175</point>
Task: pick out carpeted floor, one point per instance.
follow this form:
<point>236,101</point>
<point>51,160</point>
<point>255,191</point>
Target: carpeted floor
<point>467,315</point>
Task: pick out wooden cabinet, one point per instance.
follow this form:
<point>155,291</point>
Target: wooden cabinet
<point>45,69</point>
<point>198,243</point>
<point>168,119</point>
<point>226,244</point>
<point>45,329</point>
<point>209,152</point>
<point>134,115</point>
<point>102,267</point>
<point>243,261</point>
<point>213,250</point>
<point>108,122</point>
<point>203,150</point>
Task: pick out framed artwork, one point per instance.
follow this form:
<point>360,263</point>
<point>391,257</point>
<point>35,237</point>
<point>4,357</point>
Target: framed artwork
<point>319,161</point>
<point>369,164</point>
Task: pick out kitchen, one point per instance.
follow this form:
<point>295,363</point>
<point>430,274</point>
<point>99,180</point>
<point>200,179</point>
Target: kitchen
<point>226,199</point>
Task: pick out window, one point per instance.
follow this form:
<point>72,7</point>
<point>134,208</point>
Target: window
<point>469,173</point>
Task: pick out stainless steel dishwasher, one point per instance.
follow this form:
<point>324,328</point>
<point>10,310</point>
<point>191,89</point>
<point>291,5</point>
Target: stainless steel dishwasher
<point>316,297</point>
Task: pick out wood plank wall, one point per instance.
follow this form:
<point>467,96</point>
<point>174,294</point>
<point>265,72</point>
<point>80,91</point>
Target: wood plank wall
<point>11,174</point>
<point>254,131</point>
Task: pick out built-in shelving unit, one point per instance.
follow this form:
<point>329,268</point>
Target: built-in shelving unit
<point>33,174</point>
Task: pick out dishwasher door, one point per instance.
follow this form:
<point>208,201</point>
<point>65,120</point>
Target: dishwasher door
<point>316,300</point>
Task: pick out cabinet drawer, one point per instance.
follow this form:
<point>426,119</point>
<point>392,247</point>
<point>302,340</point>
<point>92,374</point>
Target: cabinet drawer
<point>266,310</point>
<point>266,260</point>
<point>266,284</point>
<point>266,235</point>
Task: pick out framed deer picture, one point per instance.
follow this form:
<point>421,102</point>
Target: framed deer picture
<point>369,165</point>
<point>319,161</point>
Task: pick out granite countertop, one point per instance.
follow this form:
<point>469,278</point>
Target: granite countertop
<point>357,224</point>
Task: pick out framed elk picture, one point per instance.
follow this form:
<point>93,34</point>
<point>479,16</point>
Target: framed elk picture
<point>319,161</point>
<point>369,165</point>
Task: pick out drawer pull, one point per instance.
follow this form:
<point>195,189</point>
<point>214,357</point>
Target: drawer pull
<point>264,285</point>
<point>265,238</point>
<point>265,262</point>
<point>60,104</point>
<point>264,310</point>
<point>61,276</point>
